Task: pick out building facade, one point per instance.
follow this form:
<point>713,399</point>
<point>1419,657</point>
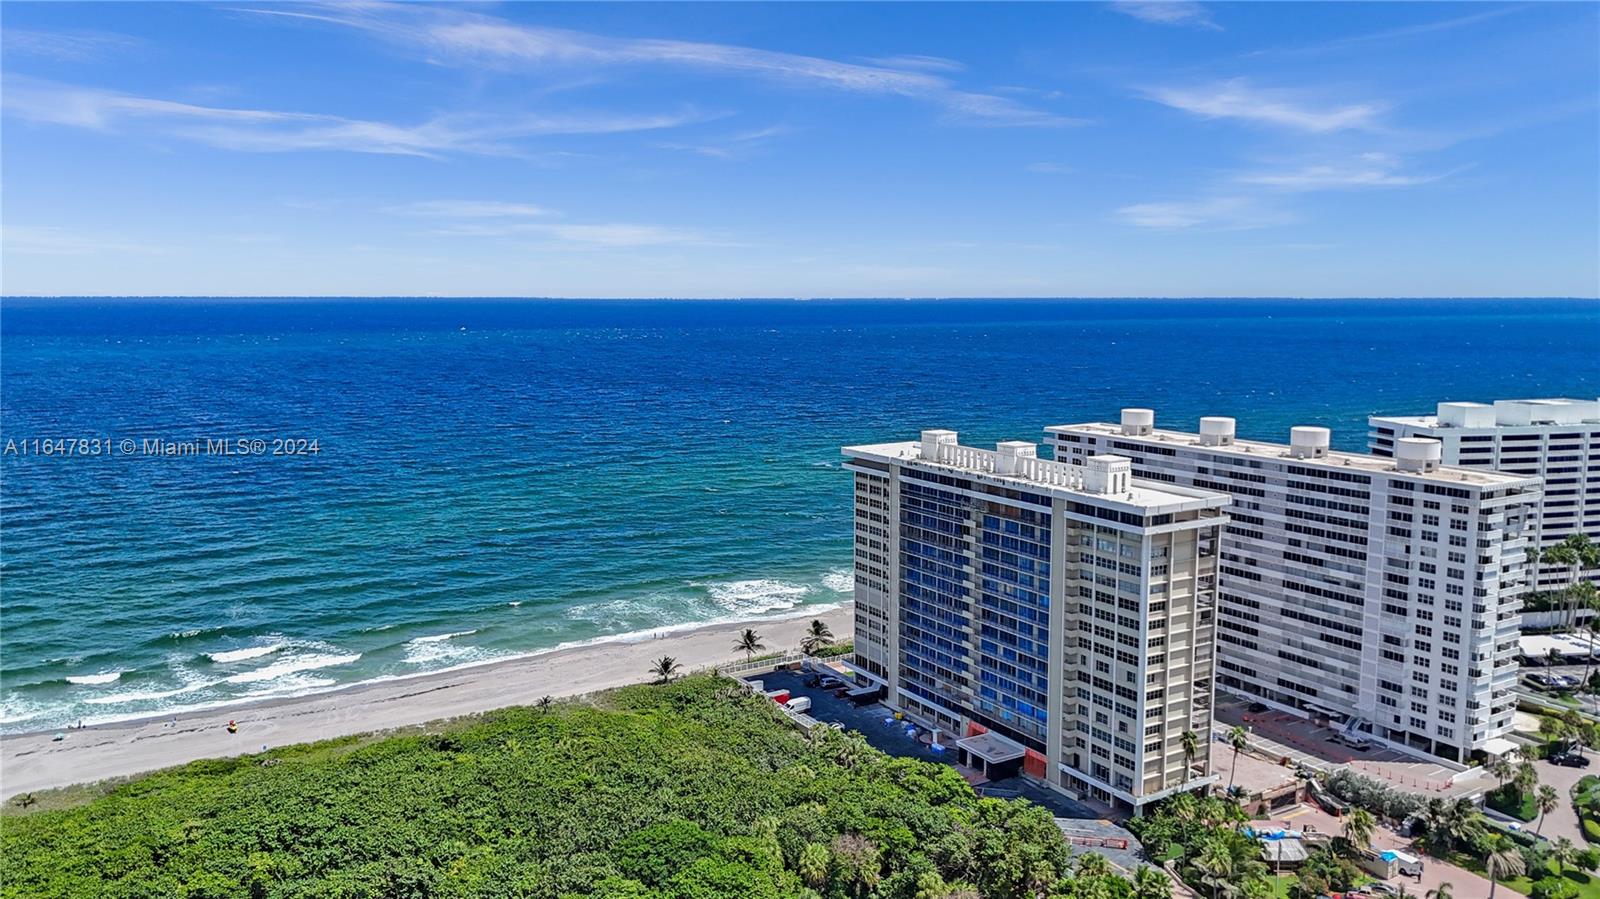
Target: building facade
<point>1556,439</point>
<point>1379,594</point>
<point>1057,619</point>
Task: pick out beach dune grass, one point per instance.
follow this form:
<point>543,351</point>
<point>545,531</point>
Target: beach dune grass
<point>691,789</point>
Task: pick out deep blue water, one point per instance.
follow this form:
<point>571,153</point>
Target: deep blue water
<point>523,474</point>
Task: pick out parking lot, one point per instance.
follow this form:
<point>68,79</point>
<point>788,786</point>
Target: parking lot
<point>1276,735</point>
<point>1082,824</point>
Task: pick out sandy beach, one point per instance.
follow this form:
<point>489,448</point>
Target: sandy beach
<point>31,762</point>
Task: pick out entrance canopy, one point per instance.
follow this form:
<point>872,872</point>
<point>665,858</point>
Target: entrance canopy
<point>992,748</point>
<point>1498,746</point>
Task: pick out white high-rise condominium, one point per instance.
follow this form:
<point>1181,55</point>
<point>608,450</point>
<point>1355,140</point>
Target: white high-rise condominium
<point>1380,594</point>
<point>1055,619</point>
<point>1557,439</point>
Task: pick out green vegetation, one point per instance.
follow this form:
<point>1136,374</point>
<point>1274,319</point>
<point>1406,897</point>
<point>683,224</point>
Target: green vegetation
<point>688,790</point>
<point>1203,837</point>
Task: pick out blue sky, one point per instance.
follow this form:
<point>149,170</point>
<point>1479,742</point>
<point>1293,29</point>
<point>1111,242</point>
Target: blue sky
<point>1118,149</point>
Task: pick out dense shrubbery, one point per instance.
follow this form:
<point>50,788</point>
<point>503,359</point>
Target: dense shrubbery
<point>1373,795</point>
<point>687,791</point>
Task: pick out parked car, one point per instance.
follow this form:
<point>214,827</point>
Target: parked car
<point>1256,708</point>
<point>1382,889</point>
<point>1570,760</point>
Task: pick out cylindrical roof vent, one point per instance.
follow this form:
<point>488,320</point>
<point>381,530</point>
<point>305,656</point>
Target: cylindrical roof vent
<point>1138,422</point>
<point>1216,430</point>
<point>1419,454</point>
<point>1308,442</point>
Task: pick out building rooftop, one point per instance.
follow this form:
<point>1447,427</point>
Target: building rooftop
<point>1014,464</point>
<point>1328,458</point>
<point>1504,414</point>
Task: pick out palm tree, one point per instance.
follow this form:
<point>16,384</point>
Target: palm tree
<point>665,668</point>
<point>1526,778</point>
<point>1191,748</point>
<point>1576,553</point>
<point>1216,866</point>
<point>1564,854</point>
<point>1500,767</point>
<point>1358,829</point>
<point>1548,799</point>
<point>1450,823</point>
<point>817,636</point>
<point>1504,858</point>
<point>749,643</point>
<point>1584,595</point>
<point>1091,864</point>
<point>813,865</point>
<point>1237,739</point>
<point>1148,883</point>
<point>1442,891</point>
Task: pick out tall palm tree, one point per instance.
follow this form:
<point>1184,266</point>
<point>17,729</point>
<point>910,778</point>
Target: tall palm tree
<point>749,643</point>
<point>665,668</point>
<point>1504,858</point>
<point>1526,778</point>
<point>1238,740</point>
<point>817,636</point>
<point>1587,597</point>
<point>1358,829</point>
<point>1577,553</point>
<point>1442,891</point>
<point>1548,799</point>
<point>1501,768</point>
<point>1148,883</point>
<point>1191,748</point>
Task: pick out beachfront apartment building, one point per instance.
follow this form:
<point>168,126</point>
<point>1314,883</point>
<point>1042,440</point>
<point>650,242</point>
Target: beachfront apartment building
<point>1055,619</point>
<point>1379,594</point>
<point>1556,439</point>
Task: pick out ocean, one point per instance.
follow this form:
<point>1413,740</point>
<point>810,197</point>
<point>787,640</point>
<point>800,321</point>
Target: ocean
<point>495,478</point>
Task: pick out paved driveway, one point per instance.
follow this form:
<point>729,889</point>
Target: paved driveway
<point>1563,822</point>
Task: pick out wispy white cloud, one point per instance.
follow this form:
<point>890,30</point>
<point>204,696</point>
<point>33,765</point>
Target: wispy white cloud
<point>1049,168</point>
<point>493,218</point>
<point>39,240</point>
<point>1369,170</point>
<point>1238,99</point>
<point>919,61</point>
<point>1187,13</point>
<point>455,36</point>
<point>734,146</point>
<point>1225,213</point>
<point>470,209</point>
<point>1392,34</point>
<point>66,46</point>
<point>261,130</point>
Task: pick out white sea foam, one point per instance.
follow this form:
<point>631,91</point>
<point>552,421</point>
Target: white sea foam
<point>239,655</point>
<point>514,603</point>
<point>135,696</point>
<point>840,580</point>
<point>105,677</point>
<point>293,664</point>
<point>439,638</point>
<point>754,597</point>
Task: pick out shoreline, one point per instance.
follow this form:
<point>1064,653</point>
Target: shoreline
<point>35,761</point>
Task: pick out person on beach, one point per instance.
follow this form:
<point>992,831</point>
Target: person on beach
<point>233,726</point>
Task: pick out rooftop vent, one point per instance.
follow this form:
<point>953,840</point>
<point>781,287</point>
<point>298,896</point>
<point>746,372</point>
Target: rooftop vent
<point>932,440</point>
<point>1419,454</point>
<point>1216,430</point>
<point>1307,442</point>
<point>1138,422</point>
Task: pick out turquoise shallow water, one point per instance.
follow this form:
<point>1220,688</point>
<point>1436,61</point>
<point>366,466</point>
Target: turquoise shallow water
<point>502,477</point>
